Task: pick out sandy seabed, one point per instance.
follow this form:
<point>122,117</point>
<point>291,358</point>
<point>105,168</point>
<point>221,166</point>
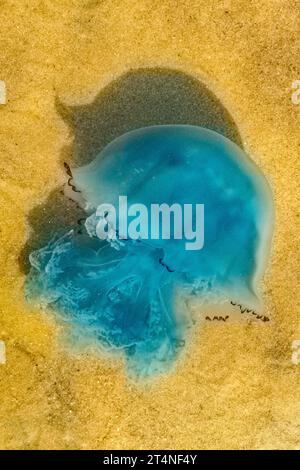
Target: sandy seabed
<point>236,385</point>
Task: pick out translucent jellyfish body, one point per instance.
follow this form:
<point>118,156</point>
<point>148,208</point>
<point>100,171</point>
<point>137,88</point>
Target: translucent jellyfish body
<point>124,292</point>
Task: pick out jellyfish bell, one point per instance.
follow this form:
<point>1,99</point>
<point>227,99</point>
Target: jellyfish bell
<point>191,165</point>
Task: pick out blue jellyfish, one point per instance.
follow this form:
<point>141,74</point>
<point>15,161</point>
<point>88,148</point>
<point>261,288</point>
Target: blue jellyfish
<point>172,212</point>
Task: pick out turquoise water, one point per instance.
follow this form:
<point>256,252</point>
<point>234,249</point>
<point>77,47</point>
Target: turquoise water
<point>122,293</point>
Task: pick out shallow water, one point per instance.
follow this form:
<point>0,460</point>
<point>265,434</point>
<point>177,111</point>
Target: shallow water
<point>123,293</point>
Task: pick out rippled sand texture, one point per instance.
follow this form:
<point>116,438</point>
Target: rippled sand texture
<point>236,387</point>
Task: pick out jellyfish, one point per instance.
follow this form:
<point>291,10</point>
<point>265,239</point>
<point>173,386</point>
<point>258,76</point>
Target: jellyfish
<point>127,288</point>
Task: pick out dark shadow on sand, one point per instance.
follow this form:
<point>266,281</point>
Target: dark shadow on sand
<point>139,98</point>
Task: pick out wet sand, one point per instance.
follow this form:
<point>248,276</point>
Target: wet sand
<point>236,385</point>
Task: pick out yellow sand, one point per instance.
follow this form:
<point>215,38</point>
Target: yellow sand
<point>236,386</point>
